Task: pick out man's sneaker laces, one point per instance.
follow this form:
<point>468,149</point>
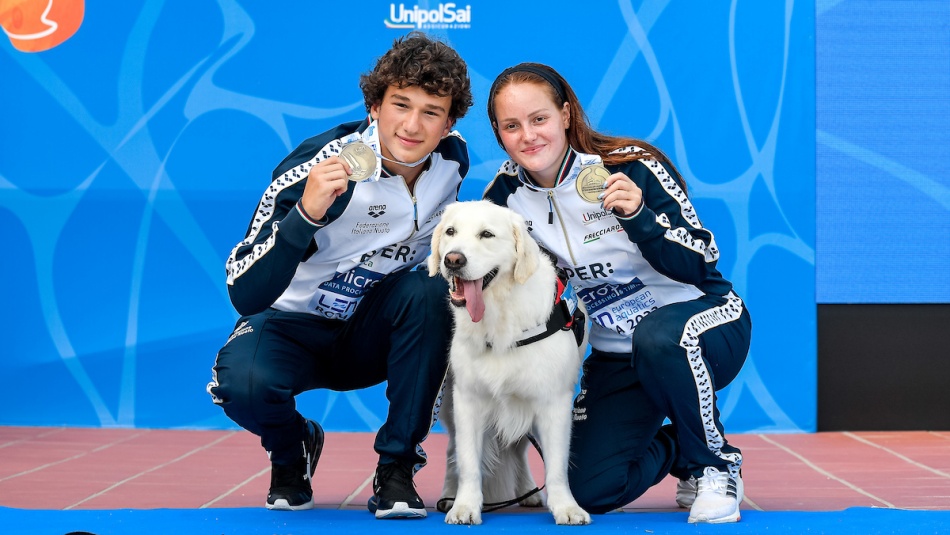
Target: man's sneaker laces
<point>394,493</point>
<point>291,486</point>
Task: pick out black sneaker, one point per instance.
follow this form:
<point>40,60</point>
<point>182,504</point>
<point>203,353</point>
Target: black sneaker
<point>290,488</point>
<point>394,493</point>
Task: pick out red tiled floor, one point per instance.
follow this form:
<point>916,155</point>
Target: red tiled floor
<point>74,468</point>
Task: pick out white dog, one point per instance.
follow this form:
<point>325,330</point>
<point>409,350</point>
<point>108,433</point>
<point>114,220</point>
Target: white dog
<point>505,292</point>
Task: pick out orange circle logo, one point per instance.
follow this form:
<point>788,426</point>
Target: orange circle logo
<point>38,25</point>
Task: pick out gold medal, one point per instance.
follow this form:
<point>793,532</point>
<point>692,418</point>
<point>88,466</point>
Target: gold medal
<point>361,159</point>
<point>590,182</point>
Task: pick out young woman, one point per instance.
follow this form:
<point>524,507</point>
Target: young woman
<point>667,329</point>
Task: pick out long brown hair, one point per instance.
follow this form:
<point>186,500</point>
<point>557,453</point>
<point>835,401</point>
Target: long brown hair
<point>579,133</point>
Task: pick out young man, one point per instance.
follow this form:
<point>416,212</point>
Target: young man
<point>325,285</point>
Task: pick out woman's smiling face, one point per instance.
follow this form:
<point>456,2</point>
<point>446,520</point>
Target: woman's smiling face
<point>532,129</point>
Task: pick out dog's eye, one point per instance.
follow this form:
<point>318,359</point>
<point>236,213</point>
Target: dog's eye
<point>450,231</point>
<point>486,234</point>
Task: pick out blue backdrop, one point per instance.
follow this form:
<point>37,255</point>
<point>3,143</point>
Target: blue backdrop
<point>132,156</point>
<point>883,151</point>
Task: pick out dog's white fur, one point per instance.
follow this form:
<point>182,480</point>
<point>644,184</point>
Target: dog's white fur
<point>498,392</point>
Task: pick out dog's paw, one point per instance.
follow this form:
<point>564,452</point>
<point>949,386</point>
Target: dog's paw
<point>463,514</point>
<point>535,500</point>
<point>571,515</point>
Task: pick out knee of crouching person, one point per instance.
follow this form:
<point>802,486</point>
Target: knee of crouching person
<point>592,495</point>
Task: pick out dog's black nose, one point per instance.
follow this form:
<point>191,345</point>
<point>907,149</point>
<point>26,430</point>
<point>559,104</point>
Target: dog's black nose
<point>455,260</point>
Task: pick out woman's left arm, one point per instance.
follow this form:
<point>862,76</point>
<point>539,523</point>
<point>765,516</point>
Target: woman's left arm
<point>656,214</point>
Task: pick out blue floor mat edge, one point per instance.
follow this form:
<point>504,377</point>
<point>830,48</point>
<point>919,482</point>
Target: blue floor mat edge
<point>247,521</point>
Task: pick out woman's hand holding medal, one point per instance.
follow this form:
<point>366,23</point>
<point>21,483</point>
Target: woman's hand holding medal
<point>622,196</point>
<point>617,192</point>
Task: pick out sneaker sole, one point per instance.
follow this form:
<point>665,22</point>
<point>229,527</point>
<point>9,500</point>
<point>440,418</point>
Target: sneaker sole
<point>283,505</point>
<point>400,510</point>
<point>734,517</point>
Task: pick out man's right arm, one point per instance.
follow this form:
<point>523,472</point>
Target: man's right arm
<point>279,237</point>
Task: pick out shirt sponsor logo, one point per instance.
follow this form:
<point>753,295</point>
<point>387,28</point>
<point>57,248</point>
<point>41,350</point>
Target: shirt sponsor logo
<point>352,283</point>
<point>608,294</point>
<point>376,210</point>
<point>598,234</point>
<point>435,216</point>
<point>447,16</point>
<point>590,271</point>
<point>339,296</point>
<point>619,307</point>
<point>400,253</point>
<point>371,228</point>
<point>593,217</point>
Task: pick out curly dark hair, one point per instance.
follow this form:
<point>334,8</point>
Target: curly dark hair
<point>417,60</point>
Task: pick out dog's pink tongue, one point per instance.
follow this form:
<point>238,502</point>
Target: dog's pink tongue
<point>473,299</point>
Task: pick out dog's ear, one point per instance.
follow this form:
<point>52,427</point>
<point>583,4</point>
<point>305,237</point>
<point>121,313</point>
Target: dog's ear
<point>526,250</point>
<point>434,256</point>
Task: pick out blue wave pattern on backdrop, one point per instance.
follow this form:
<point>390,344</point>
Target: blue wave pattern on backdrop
<point>133,155</point>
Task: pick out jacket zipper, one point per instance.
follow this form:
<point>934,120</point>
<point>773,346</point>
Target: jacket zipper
<point>415,205</point>
<point>415,214</point>
<point>554,207</point>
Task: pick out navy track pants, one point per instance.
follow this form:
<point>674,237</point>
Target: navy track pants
<point>399,333</point>
<point>681,354</point>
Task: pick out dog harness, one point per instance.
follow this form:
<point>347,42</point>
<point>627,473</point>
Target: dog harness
<point>566,315</point>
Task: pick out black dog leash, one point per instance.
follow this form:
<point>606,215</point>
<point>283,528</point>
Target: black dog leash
<point>494,506</point>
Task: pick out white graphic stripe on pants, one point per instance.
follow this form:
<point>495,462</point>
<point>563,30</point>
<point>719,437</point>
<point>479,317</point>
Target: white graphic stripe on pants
<point>695,326</point>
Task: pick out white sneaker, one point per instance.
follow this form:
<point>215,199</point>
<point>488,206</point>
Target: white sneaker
<point>718,496</point>
<point>686,492</point>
